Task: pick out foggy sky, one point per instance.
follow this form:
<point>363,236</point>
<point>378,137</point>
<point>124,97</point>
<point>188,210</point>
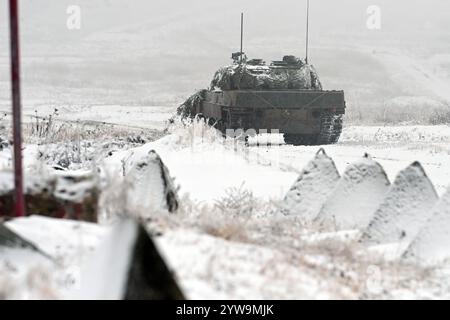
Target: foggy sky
<point>173,47</point>
<point>44,20</point>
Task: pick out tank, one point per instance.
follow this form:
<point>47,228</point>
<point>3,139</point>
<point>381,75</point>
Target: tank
<point>251,97</point>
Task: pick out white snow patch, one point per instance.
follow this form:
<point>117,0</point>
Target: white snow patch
<point>149,184</point>
<point>205,166</point>
<point>405,209</point>
<point>343,236</point>
<point>314,185</point>
<point>213,268</point>
<point>25,274</point>
<point>432,243</point>
<point>356,197</point>
<point>65,240</point>
<point>33,183</point>
<point>406,135</point>
<point>29,275</point>
<point>105,274</point>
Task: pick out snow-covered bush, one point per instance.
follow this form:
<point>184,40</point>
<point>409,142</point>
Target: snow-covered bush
<point>77,144</point>
<point>238,201</point>
<point>399,110</point>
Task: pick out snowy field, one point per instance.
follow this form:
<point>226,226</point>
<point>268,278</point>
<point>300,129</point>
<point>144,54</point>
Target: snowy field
<point>100,98</point>
<point>227,240</point>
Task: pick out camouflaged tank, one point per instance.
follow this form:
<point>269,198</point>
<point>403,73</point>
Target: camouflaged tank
<point>250,96</point>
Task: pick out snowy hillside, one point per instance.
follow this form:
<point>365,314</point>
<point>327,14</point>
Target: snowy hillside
<point>145,54</point>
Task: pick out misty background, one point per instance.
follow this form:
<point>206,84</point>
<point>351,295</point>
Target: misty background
<point>147,53</point>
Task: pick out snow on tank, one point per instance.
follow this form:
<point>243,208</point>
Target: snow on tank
<point>255,74</point>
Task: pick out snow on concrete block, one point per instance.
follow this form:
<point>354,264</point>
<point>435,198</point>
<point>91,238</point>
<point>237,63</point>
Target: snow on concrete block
<point>10,239</point>
<point>38,194</point>
<point>73,196</point>
<point>149,277</point>
<point>432,243</point>
<point>79,195</point>
<point>315,183</point>
<point>405,209</point>
<point>356,197</point>
<point>127,265</point>
<point>151,187</point>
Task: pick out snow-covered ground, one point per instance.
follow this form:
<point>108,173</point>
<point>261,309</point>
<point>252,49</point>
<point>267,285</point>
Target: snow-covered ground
<point>110,87</point>
<point>394,147</point>
<point>227,240</point>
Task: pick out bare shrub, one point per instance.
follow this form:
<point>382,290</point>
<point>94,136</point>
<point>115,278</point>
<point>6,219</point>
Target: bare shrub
<point>193,131</point>
<point>398,110</point>
<point>51,129</point>
<point>440,117</point>
<point>238,201</point>
<point>77,144</point>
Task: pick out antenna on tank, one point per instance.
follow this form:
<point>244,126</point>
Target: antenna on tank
<point>242,37</point>
<point>307,30</point>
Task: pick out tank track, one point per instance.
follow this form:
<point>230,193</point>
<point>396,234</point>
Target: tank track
<point>330,128</point>
<point>330,131</point>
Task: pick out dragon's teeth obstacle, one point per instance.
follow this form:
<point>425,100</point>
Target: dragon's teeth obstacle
<point>126,263</point>
<point>407,213</point>
<point>355,197</point>
<point>432,242</point>
<point>59,195</point>
<point>404,210</point>
<point>151,187</point>
<point>312,188</point>
<point>134,267</point>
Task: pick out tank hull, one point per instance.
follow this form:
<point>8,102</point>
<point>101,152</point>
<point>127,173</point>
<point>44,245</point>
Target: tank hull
<point>292,112</point>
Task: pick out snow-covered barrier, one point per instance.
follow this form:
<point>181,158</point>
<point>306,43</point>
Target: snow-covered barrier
<point>151,187</point>
<point>356,196</point>
<point>405,209</point>
<point>432,242</point>
<point>11,239</point>
<point>127,265</point>
<point>314,185</point>
<point>62,195</point>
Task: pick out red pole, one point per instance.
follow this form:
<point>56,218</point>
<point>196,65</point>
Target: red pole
<point>19,201</point>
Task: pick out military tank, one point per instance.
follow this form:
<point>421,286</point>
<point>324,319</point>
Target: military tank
<point>250,97</point>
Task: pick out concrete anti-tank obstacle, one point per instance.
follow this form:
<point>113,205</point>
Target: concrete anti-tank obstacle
<point>10,239</point>
<point>127,265</point>
<point>356,197</point>
<point>59,195</point>
<point>405,209</point>
<point>432,243</point>
<point>312,188</point>
<point>151,187</point>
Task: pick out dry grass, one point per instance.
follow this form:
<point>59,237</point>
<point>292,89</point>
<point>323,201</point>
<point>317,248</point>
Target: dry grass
<point>51,129</point>
<point>417,113</point>
<point>193,131</point>
<point>344,266</point>
<point>76,145</point>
